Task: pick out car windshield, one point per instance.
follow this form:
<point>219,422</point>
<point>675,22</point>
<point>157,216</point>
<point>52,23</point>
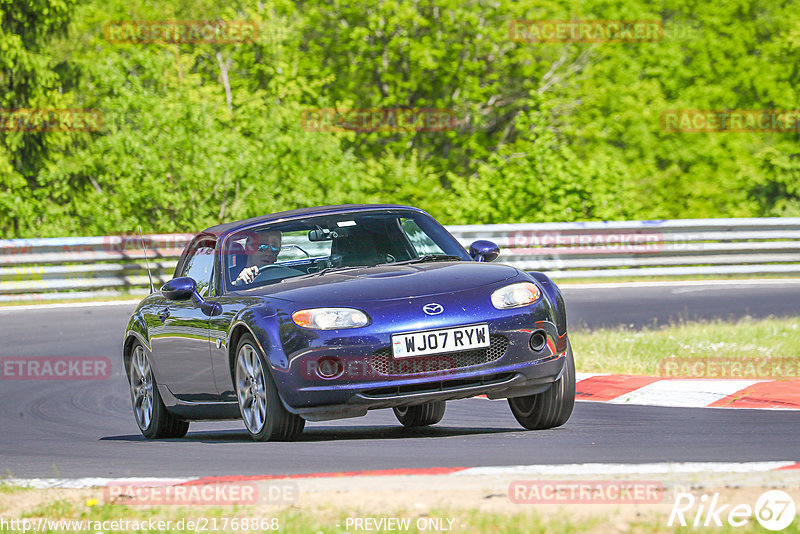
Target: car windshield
<point>323,244</point>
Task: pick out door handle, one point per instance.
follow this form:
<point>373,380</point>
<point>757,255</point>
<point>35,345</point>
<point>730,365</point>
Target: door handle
<point>163,314</point>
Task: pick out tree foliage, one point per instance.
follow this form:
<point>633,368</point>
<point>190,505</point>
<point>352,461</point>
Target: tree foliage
<point>195,134</point>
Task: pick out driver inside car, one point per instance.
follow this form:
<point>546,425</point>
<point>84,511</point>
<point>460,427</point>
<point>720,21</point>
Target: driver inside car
<point>262,249</point>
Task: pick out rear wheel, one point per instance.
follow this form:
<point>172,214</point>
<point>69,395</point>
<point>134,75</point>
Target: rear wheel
<point>260,405</point>
<point>550,408</point>
<point>151,415</point>
<point>426,414</point>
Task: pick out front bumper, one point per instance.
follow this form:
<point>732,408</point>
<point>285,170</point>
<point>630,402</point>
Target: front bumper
<point>494,386</point>
<point>369,378</point>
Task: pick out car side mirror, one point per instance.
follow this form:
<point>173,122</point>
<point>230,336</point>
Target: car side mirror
<point>179,288</point>
<point>184,288</point>
<point>483,250</point>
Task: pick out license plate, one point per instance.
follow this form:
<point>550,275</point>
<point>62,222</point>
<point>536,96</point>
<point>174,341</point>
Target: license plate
<point>439,341</point>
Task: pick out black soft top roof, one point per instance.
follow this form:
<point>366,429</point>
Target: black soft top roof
<point>226,228</point>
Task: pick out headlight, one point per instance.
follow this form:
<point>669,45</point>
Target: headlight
<point>515,295</point>
<point>330,318</point>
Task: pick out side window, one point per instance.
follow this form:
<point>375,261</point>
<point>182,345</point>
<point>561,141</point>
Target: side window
<point>422,242</point>
<point>200,266</point>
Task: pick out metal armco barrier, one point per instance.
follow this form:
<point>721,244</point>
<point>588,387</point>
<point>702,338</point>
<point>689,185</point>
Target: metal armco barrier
<point>84,267</point>
<point>89,266</point>
<point>678,247</point>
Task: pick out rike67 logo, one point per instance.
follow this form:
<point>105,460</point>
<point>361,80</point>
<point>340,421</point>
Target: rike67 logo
<point>774,510</point>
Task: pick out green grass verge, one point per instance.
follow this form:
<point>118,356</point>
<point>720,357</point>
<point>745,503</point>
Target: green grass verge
<point>5,489</point>
<point>211,519</point>
<point>639,352</point>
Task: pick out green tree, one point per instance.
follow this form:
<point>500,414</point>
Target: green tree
<point>30,78</point>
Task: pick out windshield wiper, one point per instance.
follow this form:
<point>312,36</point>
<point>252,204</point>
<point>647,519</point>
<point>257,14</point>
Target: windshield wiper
<point>421,259</point>
<point>430,257</point>
<point>330,269</point>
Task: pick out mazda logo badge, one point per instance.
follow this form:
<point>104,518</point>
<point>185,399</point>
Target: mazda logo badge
<point>433,308</point>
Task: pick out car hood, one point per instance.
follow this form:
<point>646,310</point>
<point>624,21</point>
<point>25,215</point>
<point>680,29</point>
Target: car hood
<point>386,282</point>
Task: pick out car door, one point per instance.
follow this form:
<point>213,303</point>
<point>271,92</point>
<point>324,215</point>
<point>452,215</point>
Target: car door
<point>182,345</point>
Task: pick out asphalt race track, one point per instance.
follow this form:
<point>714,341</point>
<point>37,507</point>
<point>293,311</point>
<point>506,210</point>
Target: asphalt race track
<point>51,428</point>
<point>659,303</point>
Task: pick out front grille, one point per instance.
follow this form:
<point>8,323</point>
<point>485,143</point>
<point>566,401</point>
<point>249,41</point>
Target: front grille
<point>383,363</point>
<point>441,386</point>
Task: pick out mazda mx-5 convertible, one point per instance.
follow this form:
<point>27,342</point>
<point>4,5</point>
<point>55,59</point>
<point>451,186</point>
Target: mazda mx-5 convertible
<point>324,313</point>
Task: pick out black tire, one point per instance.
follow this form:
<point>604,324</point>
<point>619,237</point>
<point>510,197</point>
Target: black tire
<point>152,417</point>
<point>426,414</point>
<point>253,384</point>
<point>550,408</point>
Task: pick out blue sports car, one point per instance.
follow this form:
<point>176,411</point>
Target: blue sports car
<point>324,313</point>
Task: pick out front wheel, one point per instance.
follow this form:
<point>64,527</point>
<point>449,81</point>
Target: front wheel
<point>151,415</point>
<point>550,408</point>
<point>426,414</point>
<point>260,405</point>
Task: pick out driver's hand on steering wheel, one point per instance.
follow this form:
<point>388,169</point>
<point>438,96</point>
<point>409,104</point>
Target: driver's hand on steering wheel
<point>247,276</point>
